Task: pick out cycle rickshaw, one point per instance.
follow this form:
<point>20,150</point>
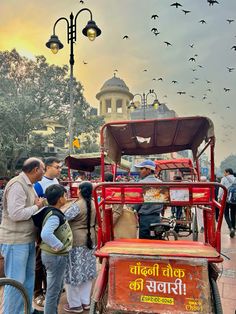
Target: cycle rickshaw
<point>157,276</point>
<point>186,223</point>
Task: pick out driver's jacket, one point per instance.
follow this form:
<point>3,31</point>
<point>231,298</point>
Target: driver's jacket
<point>148,209</point>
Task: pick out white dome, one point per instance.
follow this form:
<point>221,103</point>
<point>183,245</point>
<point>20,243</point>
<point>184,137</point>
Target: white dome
<point>114,84</point>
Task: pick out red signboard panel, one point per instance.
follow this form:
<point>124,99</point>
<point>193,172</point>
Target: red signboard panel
<point>159,285</point>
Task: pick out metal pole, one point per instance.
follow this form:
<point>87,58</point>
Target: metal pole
<point>72,61</point>
<point>144,107</point>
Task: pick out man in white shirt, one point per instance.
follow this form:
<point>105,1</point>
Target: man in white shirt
<point>53,171</point>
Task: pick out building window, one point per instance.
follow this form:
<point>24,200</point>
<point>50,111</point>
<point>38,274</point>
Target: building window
<point>108,105</point>
<point>119,108</point>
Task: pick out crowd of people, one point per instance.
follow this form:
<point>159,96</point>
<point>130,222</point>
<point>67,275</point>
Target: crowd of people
<point>48,242</point>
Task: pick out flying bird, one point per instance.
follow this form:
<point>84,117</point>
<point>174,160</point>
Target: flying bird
<point>115,70</point>
<point>228,107</point>
<point>181,93</point>
<point>81,1</point>
<point>125,37</point>
<point>84,62</point>
<point>234,48</point>
<point>230,69</point>
<point>202,21</point>
<point>192,59</point>
<point>156,33</point>
<point>154,79</point>
<point>200,66</point>
<point>174,81</point>
<point>194,70</point>
<point>208,82</point>
<point>191,96</point>
<point>154,16</point>
<point>154,29</point>
<point>176,4</point>
<point>230,21</point>
<point>226,89</point>
<point>145,70</point>
<point>167,43</point>
<point>212,2</point>
<point>186,12</point>
<point>160,79</point>
<point>191,46</point>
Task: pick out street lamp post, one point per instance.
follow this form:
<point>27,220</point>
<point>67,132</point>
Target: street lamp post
<point>91,31</point>
<point>144,104</point>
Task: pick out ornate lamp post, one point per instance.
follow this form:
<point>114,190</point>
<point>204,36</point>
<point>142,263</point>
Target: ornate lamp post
<point>144,104</point>
<point>91,31</point>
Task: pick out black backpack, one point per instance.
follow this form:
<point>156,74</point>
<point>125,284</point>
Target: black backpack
<point>231,195</point>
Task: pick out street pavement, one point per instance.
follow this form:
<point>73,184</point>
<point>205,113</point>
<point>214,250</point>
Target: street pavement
<point>226,282</point>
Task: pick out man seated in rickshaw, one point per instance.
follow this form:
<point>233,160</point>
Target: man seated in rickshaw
<point>147,213</point>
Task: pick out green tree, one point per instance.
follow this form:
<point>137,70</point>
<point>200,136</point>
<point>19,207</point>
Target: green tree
<point>31,91</point>
<point>228,162</point>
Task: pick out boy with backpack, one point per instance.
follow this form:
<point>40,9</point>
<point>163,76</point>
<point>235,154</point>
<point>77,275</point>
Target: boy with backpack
<point>229,181</point>
<point>56,242</point>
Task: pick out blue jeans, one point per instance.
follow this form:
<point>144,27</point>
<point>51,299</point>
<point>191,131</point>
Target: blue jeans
<point>19,264</point>
<point>55,266</point>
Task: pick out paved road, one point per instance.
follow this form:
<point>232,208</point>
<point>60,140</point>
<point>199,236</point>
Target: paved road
<point>227,281</point>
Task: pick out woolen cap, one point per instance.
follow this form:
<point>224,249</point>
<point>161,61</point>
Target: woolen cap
<point>147,164</point>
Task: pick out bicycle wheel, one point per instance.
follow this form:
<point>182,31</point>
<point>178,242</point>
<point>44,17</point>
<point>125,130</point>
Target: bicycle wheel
<point>171,235</point>
<point>13,290</point>
<point>216,301</point>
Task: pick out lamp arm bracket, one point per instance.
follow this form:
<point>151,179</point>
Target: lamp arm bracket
<point>61,18</point>
<point>84,9</point>
<point>138,95</point>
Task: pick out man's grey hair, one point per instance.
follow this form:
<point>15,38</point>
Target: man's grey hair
<point>30,164</point>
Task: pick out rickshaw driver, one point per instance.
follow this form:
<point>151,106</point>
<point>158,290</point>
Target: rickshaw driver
<point>147,213</point>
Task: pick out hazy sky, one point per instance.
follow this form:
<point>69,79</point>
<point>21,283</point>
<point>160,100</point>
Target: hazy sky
<point>27,25</point>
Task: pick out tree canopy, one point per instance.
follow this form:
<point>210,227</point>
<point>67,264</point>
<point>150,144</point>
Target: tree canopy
<point>228,162</point>
<point>30,92</point>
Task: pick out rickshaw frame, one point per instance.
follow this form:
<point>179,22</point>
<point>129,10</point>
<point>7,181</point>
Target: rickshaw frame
<point>143,137</point>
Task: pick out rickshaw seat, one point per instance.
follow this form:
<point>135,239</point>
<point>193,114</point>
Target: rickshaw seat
<point>178,248</point>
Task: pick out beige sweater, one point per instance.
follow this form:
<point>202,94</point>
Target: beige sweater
<point>22,231</point>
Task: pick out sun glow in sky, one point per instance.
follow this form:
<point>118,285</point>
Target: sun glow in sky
<point>26,25</point>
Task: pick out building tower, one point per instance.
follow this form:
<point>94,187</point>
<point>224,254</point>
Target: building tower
<point>114,97</point>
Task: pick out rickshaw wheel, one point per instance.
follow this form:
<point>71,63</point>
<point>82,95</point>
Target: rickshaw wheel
<point>171,235</point>
<point>195,227</point>
<point>99,307</point>
<point>216,301</point>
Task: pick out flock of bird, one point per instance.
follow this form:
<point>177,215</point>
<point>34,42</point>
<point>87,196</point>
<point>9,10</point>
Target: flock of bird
<point>194,60</point>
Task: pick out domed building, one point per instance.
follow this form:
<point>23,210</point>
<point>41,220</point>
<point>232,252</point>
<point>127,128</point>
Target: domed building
<point>114,97</point>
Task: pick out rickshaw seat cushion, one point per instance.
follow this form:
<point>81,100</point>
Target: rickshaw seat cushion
<point>180,248</point>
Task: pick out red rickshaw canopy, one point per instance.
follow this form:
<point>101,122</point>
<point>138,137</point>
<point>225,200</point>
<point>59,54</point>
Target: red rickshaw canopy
<point>157,136</point>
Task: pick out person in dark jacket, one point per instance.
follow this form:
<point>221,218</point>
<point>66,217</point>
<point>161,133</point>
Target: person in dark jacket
<point>147,213</point>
